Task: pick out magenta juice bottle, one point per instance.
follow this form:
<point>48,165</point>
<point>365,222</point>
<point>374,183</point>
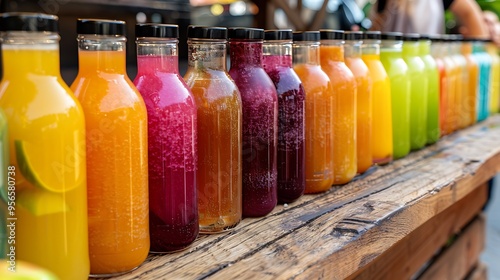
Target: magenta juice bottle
<point>173,208</point>
<point>260,121</point>
<point>277,61</point>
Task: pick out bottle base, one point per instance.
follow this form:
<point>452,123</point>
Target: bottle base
<point>104,275</point>
<point>217,228</point>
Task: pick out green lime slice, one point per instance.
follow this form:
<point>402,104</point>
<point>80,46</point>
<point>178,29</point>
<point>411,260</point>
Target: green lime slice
<point>41,203</point>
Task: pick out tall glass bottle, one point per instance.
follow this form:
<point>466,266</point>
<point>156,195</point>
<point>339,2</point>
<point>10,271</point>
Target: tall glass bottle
<point>219,129</point>
<point>259,101</point>
<point>432,73</point>
<point>492,50</point>
<point>452,73</point>
<point>173,207</point>
<point>381,96</point>
<point>470,110</point>
<point>418,91</point>
<point>438,54</point>
<point>116,122</point>
<point>364,99</point>
<point>392,59</point>
<point>46,136</point>
<point>461,81</point>
<point>484,79</point>
<point>277,61</point>
<point>318,111</point>
<point>344,105</point>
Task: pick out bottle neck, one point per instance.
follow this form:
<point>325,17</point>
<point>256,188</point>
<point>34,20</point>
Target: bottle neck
<point>157,55</point>
<point>306,53</point>
<point>411,48</point>
<point>425,47</point>
<point>334,49</point>
<point>352,49</point>
<point>30,53</point>
<point>245,53</point>
<point>98,53</point>
<point>277,53</point>
<point>207,54</point>
<point>370,47</point>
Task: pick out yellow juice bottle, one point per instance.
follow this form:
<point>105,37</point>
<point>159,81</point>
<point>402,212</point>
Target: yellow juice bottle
<point>47,148</point>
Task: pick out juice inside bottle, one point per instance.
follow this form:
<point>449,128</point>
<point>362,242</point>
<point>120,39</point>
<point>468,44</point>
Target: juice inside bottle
<point>219,130</point>
<point>492,50</point>
<point>173,207</point>
<point>432,73</point>
<point>418,91</point>
<point>462,82</point>
<point>484,61</point>
<point>472,86</point>
<point>381,96</point>
<point>318,111</point>
<point>277,62</point>
<point>344,106</point>
<point>438,54</point>
<point>116,122</point>
<point>259,101</point>
<point>452,73</point>
<point>364,98</point>
<point>391,58</point>
<point>46,138</point>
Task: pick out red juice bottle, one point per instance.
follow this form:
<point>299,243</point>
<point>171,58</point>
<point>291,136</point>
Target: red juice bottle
<point>260,121</point>
<point>173,209</point>
<point>277,61</point>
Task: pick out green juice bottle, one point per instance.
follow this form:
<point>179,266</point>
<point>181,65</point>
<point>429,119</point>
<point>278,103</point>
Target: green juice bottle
<point>396,68</point>
<point>418,91</point>
<point>432,73</point>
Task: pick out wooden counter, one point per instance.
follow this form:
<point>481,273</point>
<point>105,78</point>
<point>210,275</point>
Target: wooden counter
<point>419,216</point>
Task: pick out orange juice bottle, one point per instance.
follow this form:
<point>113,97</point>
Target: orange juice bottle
<point>453,73</point>
<point>462,82</point>
<point>364,98</point>
<point>116,149</point>
<point>319,111</point>
<point>47,184</point>
<point>345,163</point>
<point>438,54</point>
<point>470,110</point>
<point>381,96</point>
<point>219,112</point>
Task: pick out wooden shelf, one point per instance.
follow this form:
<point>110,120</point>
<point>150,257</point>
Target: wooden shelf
<point>388,222</point>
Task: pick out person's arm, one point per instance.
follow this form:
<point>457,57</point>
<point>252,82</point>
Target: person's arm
<point>469,14</point>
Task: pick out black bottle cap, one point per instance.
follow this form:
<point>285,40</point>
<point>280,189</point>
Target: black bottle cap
<point>398,36</point>
<point>353,35</point>
<point>372,35</point>
<point>101,27</point>
<point>28,22</point>
<point>280,34</point>
<point>156,30</point>
<point>245,33</point>
<point>411,37</point>
<point>425,37</point>
<point>204,32</point>
<point>306,36</point>
<point>330,34</point>
<point>436,37</point>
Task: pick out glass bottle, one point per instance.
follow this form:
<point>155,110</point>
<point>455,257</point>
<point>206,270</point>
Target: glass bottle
<point>259,101</point>
<point>277,62</point>
<point>472,85</point>
<point>452,73</point>
<point>381,96</point>
<point>364,99</point>
<point>46,136</point>
<point>173,207</point>
<point>116,122</point>
<point>461,81</point>
<point>392,59</point>
<point>492,50</point>
<point>219,129</point>
<point>438,55</point>
<point>344,105</point>
<point>418,91</point>
<point>484,61</point>
<point>318,111</point>
<point>432,73</point>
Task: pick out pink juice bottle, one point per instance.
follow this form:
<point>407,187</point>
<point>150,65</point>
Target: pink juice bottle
<point>260,121</point>
<point>277,62</point>
<point>172,147</point>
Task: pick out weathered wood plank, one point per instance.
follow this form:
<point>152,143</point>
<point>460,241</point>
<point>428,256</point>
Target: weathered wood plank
<point>460,258</point>
<point>407,256</point>
<point>336,233</point>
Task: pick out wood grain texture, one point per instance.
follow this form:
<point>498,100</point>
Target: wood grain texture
<point>457,261</point>
<point>335,234</point>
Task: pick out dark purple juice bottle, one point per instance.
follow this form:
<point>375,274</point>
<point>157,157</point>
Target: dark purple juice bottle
<point>277,61</point>
<point>260,121</point>
<point>172,147</point>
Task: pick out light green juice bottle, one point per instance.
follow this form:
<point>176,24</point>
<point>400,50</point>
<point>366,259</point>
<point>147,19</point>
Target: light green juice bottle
<point>432,73</point>
<point>396,68</point>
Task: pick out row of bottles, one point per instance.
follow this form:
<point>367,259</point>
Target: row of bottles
<point>144,166</point>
